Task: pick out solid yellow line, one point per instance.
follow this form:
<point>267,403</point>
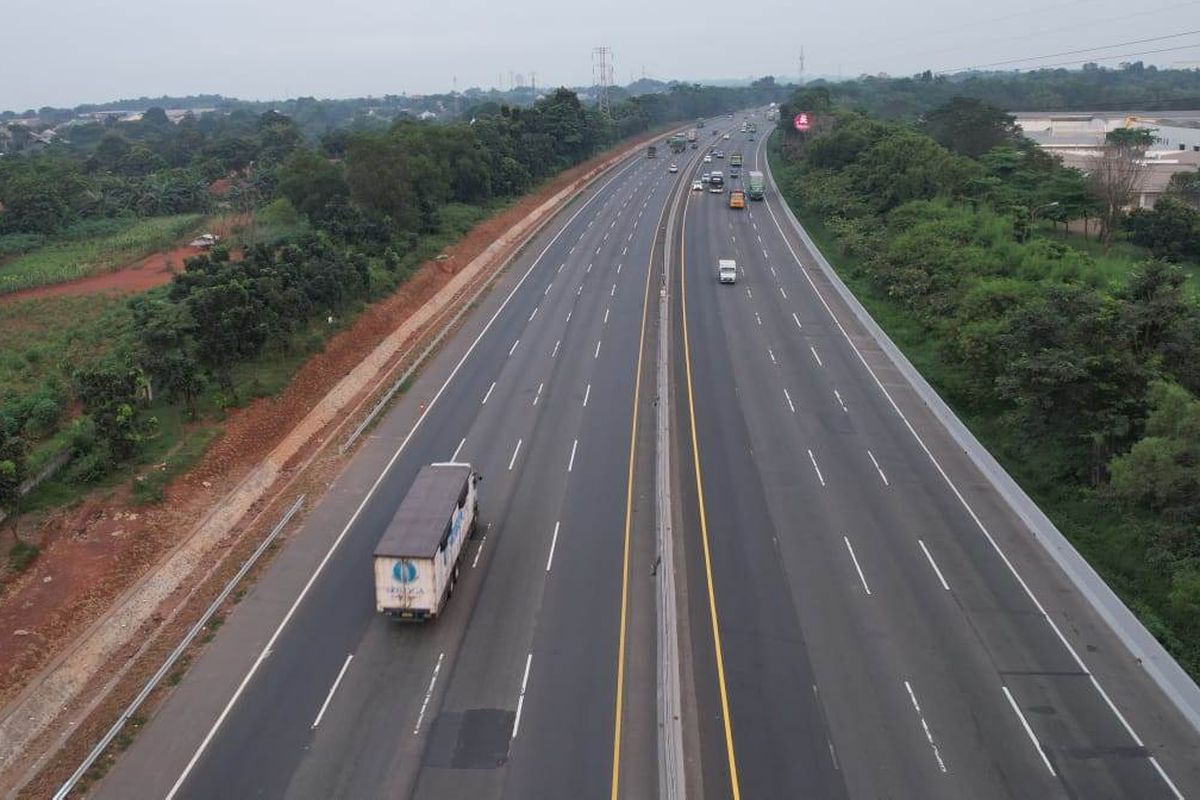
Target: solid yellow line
<point>734,784</point>
<point>637,388</point>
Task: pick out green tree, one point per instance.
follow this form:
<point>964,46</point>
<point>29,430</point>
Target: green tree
<point>14,452</point>
<point>970,127</point>
<point>311,182</point>
<point>1162,470</point>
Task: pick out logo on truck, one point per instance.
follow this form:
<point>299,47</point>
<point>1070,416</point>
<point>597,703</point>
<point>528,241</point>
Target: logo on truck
<point>404,571</point>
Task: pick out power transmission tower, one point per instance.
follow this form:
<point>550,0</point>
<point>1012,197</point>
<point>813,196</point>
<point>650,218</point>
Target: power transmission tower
<point>801,64</point>
<point>602,72</point>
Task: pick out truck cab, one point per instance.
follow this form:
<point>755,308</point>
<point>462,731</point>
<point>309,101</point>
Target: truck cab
<point>727,270</point>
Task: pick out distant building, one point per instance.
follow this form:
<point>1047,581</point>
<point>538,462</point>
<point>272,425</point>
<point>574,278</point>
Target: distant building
<point>1077,138</point>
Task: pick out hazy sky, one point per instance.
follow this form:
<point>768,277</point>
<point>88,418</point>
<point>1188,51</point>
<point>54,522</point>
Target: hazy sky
<point>67,52</point>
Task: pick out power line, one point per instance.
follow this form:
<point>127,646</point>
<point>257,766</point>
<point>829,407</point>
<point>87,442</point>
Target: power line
<point>1026,35</point>
<point>1121,55</point>
<point>1077,52</point>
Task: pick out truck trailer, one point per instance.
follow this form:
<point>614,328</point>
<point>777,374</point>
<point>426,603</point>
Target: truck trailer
<point>755,185</point>
<point>417,558</point>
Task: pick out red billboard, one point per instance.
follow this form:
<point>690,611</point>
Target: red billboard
<point>802,122</point>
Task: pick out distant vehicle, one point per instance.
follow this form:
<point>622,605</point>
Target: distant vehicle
<point>417,558</point>
<point>716,133</point>
<point>704,178</point>
<point>735,160</point>
<point>677,143</point>
<point>673,168</point>
<point>720,154</point>
<point>692,135</point>
<point>651,151</point>
<point>755,185</point>
<point>737,199</point>
<point>733,173</point>
<point>697,186</point>
<point>708,159</point>
<point>716,182</point>
<point>727,270</point>
<point>204,240</point>
<point>726,136</point>
<point>700,123</point>
<point>750,137</point>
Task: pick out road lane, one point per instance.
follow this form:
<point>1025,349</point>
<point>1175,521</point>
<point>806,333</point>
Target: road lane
<point>364,745</point>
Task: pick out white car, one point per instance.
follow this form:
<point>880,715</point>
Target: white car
<point>726,270</point>
<point>673,169</point>
<point>727,136</point>
<point>717,188</point>
<point>704,178</point>
<point>708,159</point>
<point>697,186</point>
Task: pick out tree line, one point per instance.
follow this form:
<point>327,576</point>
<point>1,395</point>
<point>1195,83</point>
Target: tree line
<point>1093,375</point>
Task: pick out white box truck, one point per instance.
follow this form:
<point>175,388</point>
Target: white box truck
<point>727,270</point>
<point>417,558</point>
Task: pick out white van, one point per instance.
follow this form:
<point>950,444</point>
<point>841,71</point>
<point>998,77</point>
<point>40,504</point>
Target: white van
<point>727,270</point>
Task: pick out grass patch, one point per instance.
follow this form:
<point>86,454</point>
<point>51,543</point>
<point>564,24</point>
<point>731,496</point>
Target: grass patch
<point>21,555</point>
<point>93,249</point>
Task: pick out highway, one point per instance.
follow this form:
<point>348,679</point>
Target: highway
<point>864,632</point>
<point>514,692</point>
<point>861,614</point>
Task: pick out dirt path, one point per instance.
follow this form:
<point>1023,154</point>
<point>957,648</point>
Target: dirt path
<point>94,553</point>
<point>153,270</point>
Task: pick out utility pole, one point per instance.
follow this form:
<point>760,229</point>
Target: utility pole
<point>602,72</point>
<point>801,64</point>
<point>533,83</point>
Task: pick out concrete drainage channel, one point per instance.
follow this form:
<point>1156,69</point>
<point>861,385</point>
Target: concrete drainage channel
<point>177,653</point>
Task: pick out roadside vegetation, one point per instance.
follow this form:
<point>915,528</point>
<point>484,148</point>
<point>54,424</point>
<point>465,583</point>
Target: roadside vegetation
<point>87,248</point>
<point>122,389</point>
<point>1077,366</point>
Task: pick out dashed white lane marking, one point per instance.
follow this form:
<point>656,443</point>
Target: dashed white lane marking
<point>437,668</point>
<point>557,342</point>
<point>512,349</point>
<point>489,393</point>
<point>548,285</point>
<point>838,395</point>
<point>537,396</point>
<point>589,267</point>
<point>533,314</point>
<point>571,462</point>
<point>782,292</point>
<point>857,568</point>
<point>798,325</point>
<point>606,316</point>
<point>878,469</point>
<point>774,274</point>
<point>1032,737</point>
<point>771,353</point>
<point>597,250</point>
<point>597,353</point>
<point>521,696</point>
<point>333,688</point>
<point>928,736</point>
<point>933,564</point>
<point>560,267</point>
<point>618,269</point>
<point>791,405</point>
<point>813,350</point>
<point>757,317</point>
<point>613,293</point>
<point>553,542</point>
<point>817,469</point>
<point>458,449</point>
<point>479,552</point>
<point>749,293</point>
<point>586,394</point>
<point>765,254</point>
<point>516,450</point>
<point>625,250</point>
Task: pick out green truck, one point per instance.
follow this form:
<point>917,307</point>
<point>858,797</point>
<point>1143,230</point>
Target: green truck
<point>735,160</point>
<point>755,185</point>
<point>677,143</point>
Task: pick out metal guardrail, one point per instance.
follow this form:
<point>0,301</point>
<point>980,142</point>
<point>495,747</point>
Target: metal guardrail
<point>69,785</point>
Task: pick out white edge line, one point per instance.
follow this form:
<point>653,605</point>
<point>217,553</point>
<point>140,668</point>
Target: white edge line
<point>332,689</point>
<point>262,656</point>
<point>878,469</point>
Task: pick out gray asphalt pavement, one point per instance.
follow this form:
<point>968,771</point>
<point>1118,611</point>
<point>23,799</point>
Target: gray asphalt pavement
<point>513,692</point>
<point>874,642</point>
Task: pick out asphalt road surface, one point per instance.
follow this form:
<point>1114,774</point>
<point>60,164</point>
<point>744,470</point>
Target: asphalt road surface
<point>867,637</point>
<point>862,615</point>
<point>514,691</point>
